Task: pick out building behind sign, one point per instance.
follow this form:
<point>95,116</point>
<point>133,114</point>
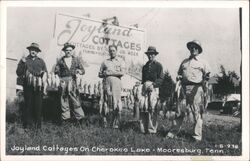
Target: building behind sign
<point>11,65</point>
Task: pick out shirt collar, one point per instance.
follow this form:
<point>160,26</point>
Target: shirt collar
<point>72,56</point>
<point>30,57</point>
<point>194,58</point>
<point>152,62</point>
<point>113,59</point>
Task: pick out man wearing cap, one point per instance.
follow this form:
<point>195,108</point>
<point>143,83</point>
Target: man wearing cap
<point>32,68</point>
<point>192,73</point>
<point>111,71</point>
<point>152,77</point>
<point>68,68</point>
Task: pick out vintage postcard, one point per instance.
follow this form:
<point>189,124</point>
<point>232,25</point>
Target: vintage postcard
<point>121,80</point>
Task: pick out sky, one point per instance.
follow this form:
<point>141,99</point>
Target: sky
<point>168,29</point>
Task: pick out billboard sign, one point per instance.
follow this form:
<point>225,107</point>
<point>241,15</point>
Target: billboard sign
<point>91,38</point>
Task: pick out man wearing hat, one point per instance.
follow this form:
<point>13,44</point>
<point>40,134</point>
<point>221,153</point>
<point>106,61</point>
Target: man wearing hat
<point>192,73</point>
<point>111,71</point>
<point>152,77</point>
<point>31,69</point>
<point>68,68</point>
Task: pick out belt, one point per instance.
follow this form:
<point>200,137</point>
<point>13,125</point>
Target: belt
<point>191,83</point>
<point>114,76</point>
<point>67,78</point>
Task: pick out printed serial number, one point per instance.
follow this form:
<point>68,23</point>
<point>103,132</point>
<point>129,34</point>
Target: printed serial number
<point>229,146</point>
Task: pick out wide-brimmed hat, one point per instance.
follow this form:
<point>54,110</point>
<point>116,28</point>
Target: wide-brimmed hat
<point>195,43</point>
<point>68,45</point>
<point>34,46</point>
<point>152,50</point>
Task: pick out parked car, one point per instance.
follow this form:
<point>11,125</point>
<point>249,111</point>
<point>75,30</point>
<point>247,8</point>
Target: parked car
<point>215,105</point>
<point>232,105</point>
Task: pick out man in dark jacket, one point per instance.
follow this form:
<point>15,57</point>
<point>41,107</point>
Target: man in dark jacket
<point>31,69</point>
<point>152,76</point>
<point>68,68</point>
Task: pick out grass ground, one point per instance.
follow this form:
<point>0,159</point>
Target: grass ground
<point>221,136</point>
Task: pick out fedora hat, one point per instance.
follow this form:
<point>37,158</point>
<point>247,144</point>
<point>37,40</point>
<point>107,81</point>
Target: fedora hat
<point>68,45</point>
<point>152,50</point>
<point>34,46</point>
<point>195,43</point>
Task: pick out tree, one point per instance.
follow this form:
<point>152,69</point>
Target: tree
<point>167,87</point>
<point>228,82</point>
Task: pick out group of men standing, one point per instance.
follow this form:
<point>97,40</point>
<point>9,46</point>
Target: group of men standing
<point>192,73</point>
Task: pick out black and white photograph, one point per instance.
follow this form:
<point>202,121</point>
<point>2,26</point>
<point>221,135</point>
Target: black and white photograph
<point>138,80</point>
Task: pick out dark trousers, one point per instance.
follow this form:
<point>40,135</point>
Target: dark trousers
<point>32,112</point>
<point>136,110</point>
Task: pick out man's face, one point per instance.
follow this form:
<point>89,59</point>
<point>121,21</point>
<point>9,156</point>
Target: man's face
<point>112,52</point>
<point>151,56</point>
<point>33,52</point>
<point>194,51</point>
<point>68,51</point>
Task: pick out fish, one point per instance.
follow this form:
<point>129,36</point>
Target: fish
<point>153,99</point>
<point>70,85</point>
<point>53,80</point>
<point>30,79</point>
<point>57,81</point>
<point>131,99</point>
<point>95,90</point>
<point>85,91</point>
<point>44,83</point>
<point>39,83</point>
<point>82,83</point>
<point>101,95</point>
<point>147,98</point>
<point>78,80</point>
<point>100,89</point>
<point>49,80</point>
<point>90,92</point>
<point>170,115</point>
<point>34,82</point>
<point>44,79</point>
